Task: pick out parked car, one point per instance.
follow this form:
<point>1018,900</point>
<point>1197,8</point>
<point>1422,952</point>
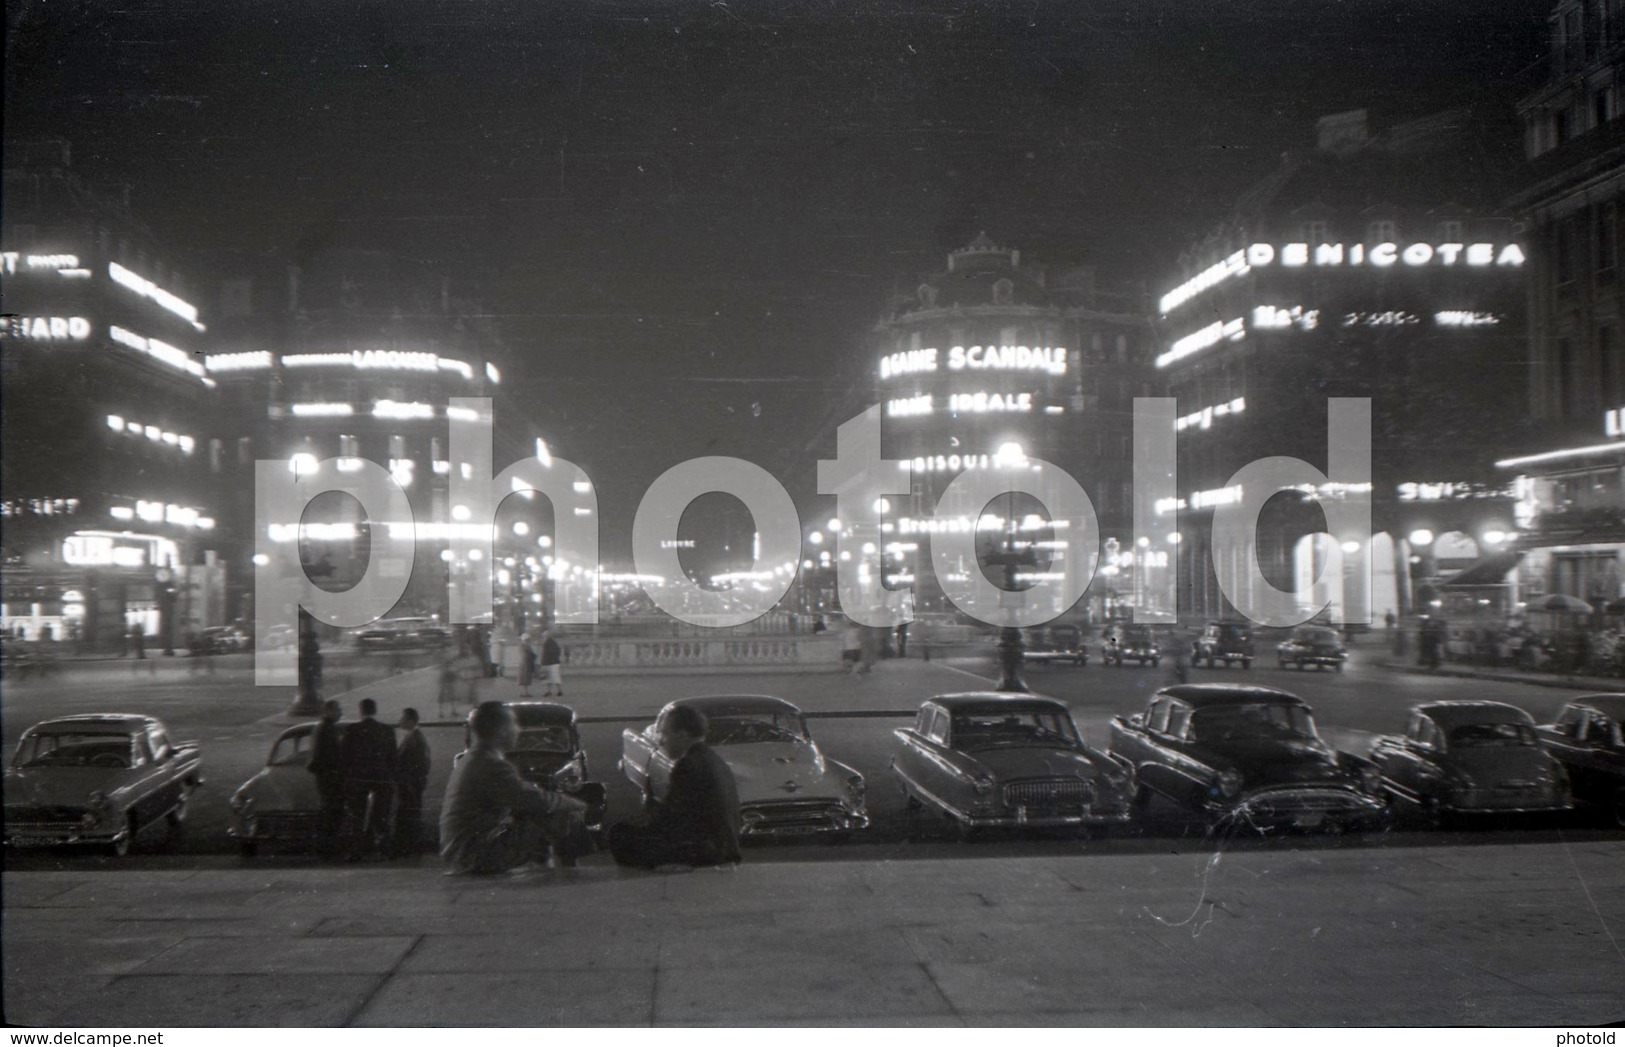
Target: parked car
<point>942,630</point>
<point>1315,645</point>
<point>1248,755</point>
<point>400,633</point>
<point>1055,643</point>
<point>280,637</point>
<point>986,759</point>
<point>1586,738</point>
<point>220,639</point>
<point>279,804</point>
<point>786,785</point>
<point>550,754</point>
<point>97,779</point>
<point>1224,642</point>
<point>21,659</point>
<point>1462,757</point>
<point>1130,643</point>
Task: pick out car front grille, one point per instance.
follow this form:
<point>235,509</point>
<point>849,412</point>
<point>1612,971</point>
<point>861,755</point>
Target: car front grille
<point>1295,800</point>
<point>1049,793</point>
<point>793,816</point>
<point>44,819</point>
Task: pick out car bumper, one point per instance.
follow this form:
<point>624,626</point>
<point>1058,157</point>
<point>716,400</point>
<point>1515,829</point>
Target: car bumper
<point>27,837</point>
<point>773,820</point>
<point>275,825</point>
<point>1490,801</point>
<point>1028,818</point>
<point>1307,808</point>
<point>1316,659</point>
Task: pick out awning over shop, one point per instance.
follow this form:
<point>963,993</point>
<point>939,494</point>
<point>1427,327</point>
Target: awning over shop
<point>1487,570</point>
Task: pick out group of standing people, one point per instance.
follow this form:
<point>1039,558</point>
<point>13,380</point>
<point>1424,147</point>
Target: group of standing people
<point>369,787</point>
<point>541,656</point>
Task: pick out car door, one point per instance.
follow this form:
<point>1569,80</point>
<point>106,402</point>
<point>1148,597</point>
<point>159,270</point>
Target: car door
<point>1566,739</point>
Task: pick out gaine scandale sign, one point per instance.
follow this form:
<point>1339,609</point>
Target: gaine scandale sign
<point>859,478</point>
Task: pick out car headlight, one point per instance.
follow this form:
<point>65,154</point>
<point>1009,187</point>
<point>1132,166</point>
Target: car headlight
<point>242,805</point>
<point>100,810</point>
<point>1228,784</point>
<point>984,786</point>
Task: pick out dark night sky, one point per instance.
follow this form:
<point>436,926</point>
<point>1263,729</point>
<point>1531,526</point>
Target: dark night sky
<point>664,199</point>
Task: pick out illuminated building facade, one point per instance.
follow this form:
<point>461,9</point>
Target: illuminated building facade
<point>991,364</point>
<point>1570,476</point>
<point>1373,266</point>
<point>113,464</point>
<point>357,355</point>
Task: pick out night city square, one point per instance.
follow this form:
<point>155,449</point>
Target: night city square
<point>951,515</point>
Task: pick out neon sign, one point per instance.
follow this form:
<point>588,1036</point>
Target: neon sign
<point>987,403</point>
<point>380,360</point>
<point>11,261</point>
<point>118,424</point>
<point>910,406</point>
<point>1613,422</point>
<point>1298,255</point>
<point>1211,335</point>
<point>1203,419</point>
<point>1465,318</point>
<point>149,290</point>
<point>1007,358</point>
<point>1267,317</point>
<point>48,328</point>
<point>252,361</point>
<point>116,549</point>
<point>163,352</point>
<point>910,361</point>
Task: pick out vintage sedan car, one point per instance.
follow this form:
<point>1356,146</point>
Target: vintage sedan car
<point>944,630</point>
<point>402,633</point>
<point>1588,739</point>
<point>786,785</point>
<point>1471,758</point>
<point>550,754</point>
<point>1248,756</point>
<point>279,805</point>
<point>1314,645</point>
<point>1223,642</point>
<point>97,779</point>
<point>986,759</point>
<point>1130,643</point>
<point>1055,643</point>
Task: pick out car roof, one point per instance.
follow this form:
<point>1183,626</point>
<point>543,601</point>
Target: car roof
<point>1610,705</point>
<point>965,700</point>
<point>1459,713</point>
<point>1206,695</point>
<point>539,714</point>
<point>95,723</point>
<point>1316,629</point>
<point>736,704</point>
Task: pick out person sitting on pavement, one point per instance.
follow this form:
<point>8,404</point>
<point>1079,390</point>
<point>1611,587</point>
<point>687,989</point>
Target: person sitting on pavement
<point>698,821</point>
<point>492,820</point>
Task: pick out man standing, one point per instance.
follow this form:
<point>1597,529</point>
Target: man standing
<point>411,779</point>
<point>326,765</point>
<point>552,670</point>
<point>494,821</point>
<point>367,754</point>
<point>698,821</point>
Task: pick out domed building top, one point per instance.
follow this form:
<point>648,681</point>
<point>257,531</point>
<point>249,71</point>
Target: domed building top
<point>981,274</point>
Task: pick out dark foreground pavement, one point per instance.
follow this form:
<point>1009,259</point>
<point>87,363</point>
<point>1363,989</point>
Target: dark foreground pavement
<point>1448,935</point>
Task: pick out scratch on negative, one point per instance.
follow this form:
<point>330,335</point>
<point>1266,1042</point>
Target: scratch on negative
<point>1587,888</point>
<point>1201,900</point>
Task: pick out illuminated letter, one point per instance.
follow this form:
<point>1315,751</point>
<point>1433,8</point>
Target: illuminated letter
<point>956,358</point>
<point>1480,254</point>
<point>1295,254</point>
<point>858,477</point>
<point>776,552</point>
<point>1448,253</point>
<point>1418,254</point>
<point>1329,254</point>
<point>1235,559</point>
<point>1511,254</point>
<point>1384,254</point>
<point>1260,254</point>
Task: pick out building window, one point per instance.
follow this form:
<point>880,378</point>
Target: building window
<point>1573,46</point>
<point>1450,231</point>
<point>1563,249</point>
<point>1612,369</point>
<point>1315,233</point>
<point>397,446</point>
<point>1004,291</point>
<point>245,452</point>
<point>1560,127</point>
<point>1382,232</point>
<point>349,446</point>
<point>1607,237</point>
<point>216,450</point>
<point>1599,107</point>
<point>1568,379</point>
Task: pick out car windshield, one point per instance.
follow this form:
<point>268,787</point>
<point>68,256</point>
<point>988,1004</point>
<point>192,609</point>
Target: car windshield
<point>551,739</point>
<point>1492,735</point>
<point>74,750</point>
<point>1318,637</point>
<point>1232,632</point>
<point>1139,637</point>
<point>756,727</point>
<point>976,729</point>
<point>1255,720</point>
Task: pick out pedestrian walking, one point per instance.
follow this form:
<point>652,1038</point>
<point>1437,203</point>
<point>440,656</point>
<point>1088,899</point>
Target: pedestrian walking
<point>902,639</point>
<point>527,662</point>
<point>367,754</point>
<point>552,659</point>
<point>446,698</point>
<point>326,765</point>
<point>411,780</point>
<point>852,647</point>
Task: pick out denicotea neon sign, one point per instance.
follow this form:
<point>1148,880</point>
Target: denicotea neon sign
<point>1380,256</point>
